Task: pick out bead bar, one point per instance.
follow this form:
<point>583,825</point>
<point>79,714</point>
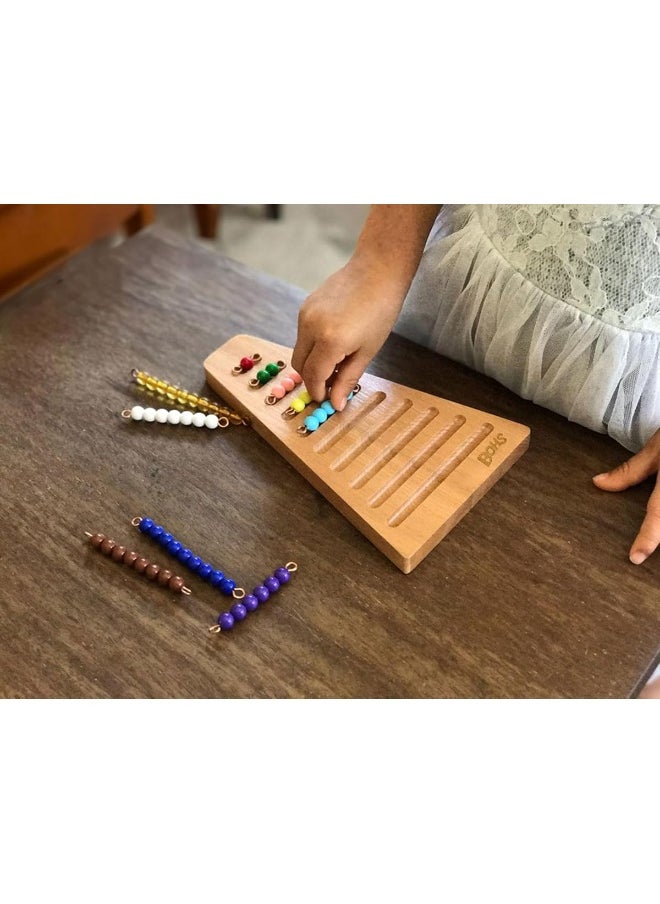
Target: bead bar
<point>321,414</point>
<point>138,563</point>
<point>286,385</point>
<point>245,364</point>
<point>183,397</point>
<point>205,570</point>
<point>251,602</point>
<point>174,416</point>
<point>298,404</point>
<point>266,375</point>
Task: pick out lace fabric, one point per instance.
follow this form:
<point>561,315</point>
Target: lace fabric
<point>561,303</point>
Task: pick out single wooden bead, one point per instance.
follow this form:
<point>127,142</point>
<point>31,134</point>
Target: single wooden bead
<point>164,576</point>
<point>226,621</point>
<point>97,539</point>
<point>129,557</point>
<point>151,571</point>
<point>176,583</point>
<point>239,611</point>
<point>140,564</point>
<point>107,546</point>
<point>118,553</point>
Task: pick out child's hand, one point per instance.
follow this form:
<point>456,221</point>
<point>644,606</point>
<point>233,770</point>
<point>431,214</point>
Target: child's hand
<point>631,472</point>
<point>341,326</point>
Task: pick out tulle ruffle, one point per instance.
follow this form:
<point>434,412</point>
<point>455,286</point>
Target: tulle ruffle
<point>468,303</point>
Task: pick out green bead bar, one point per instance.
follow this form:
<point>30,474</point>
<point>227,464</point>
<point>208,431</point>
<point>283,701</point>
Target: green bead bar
<point>263,376</point>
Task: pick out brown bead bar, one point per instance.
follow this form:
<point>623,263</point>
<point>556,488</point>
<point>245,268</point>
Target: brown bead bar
<point>163,576</point>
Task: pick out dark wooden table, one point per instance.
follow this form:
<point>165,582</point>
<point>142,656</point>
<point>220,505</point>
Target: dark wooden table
<point>531,595</point>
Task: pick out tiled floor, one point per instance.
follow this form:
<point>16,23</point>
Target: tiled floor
<point>303,247</point>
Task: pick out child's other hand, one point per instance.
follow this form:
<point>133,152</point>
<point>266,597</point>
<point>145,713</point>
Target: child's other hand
<point>635,470</point>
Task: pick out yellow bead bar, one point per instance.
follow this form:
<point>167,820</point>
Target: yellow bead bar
<point>298,404</point>
<point>183,397</point>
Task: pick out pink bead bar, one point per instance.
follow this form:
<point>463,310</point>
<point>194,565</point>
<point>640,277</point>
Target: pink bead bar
<point>286,384</point>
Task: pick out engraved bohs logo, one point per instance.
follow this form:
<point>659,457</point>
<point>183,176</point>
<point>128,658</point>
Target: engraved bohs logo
<point>488,454</point>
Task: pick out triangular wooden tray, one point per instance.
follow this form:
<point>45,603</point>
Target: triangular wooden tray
<point>402,465</point>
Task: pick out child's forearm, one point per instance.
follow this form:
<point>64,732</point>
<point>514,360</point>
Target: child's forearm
<point>393,239</point>
<point>345,321</point>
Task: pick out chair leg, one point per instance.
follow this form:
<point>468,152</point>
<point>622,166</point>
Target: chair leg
<point>207,216</point>
<point>143,216</point>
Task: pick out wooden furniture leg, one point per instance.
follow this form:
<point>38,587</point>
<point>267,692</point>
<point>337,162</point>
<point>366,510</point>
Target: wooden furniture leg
<point>207,216</point>
<point>143,216</point>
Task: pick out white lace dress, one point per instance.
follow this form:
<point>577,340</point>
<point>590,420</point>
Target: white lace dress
<point>561,303</point>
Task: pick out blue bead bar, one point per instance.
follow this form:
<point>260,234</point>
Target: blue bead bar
<point>203,569</point>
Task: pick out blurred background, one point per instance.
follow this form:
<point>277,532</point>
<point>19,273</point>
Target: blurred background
<point>303,245</point>
<point>299,243</point>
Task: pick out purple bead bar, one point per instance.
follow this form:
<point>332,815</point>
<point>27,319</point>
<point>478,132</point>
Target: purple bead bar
<point>252,601</point>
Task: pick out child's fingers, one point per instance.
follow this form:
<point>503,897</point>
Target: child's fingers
<point>633,471</point>
<point>304,345</point>
<point>319,368</point>
<point>648,538</point>
<point>348,373</point>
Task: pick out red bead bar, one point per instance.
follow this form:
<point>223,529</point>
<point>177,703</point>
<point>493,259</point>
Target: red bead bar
<point>246,364</point>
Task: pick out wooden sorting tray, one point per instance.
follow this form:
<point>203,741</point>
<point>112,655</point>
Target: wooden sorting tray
<point>402,465</point>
